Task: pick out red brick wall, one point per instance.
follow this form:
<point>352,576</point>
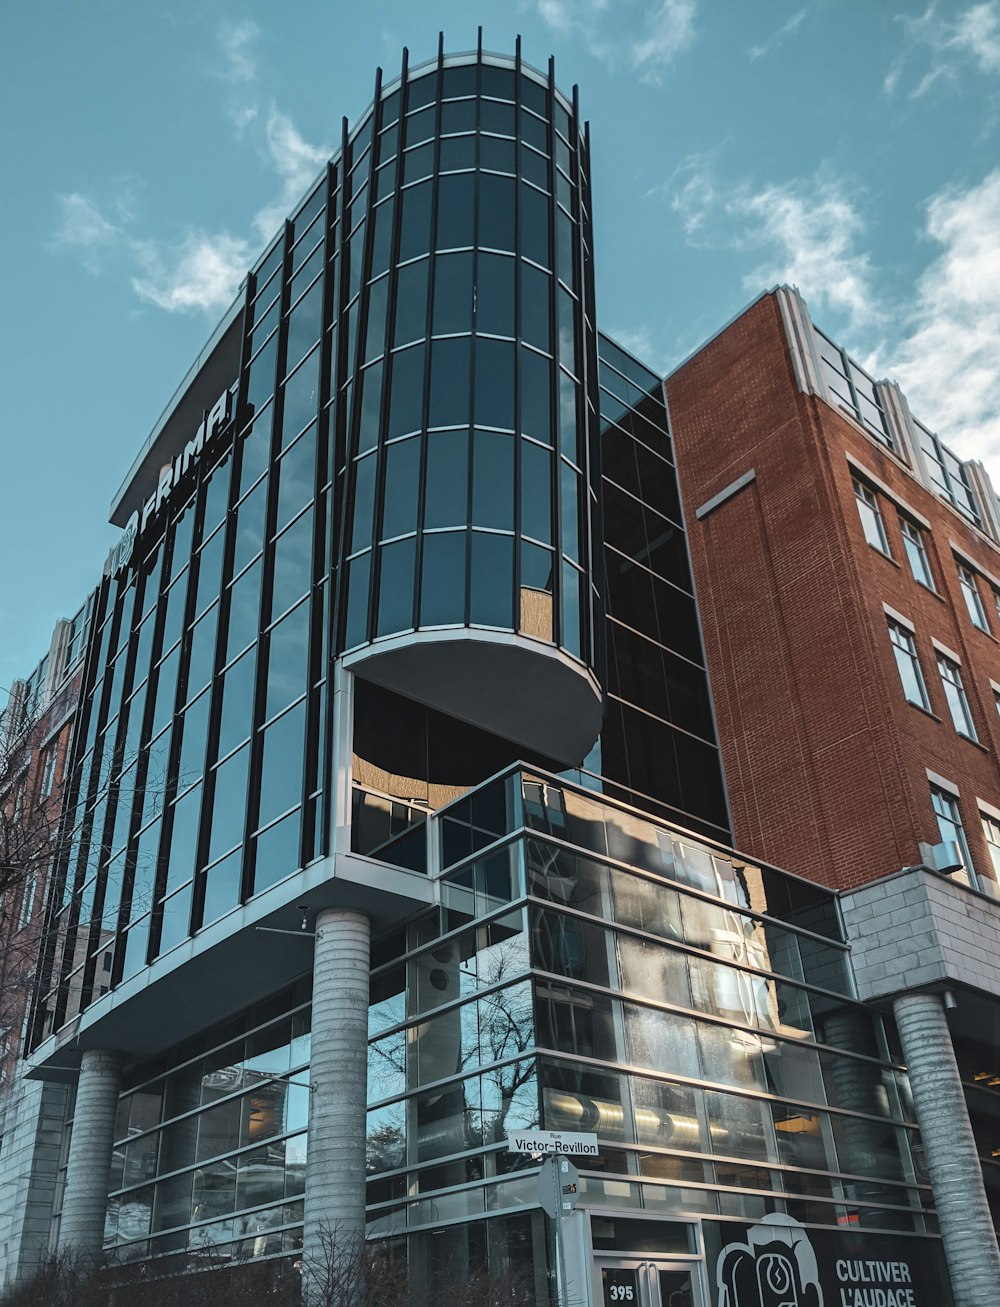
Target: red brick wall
<point>826,761</point>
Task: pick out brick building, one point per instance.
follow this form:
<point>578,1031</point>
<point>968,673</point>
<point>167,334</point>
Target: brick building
<point>847,565</point>
<point>36,731</point>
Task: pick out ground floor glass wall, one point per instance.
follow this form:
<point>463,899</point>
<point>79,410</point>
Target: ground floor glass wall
<point>714,1049</point>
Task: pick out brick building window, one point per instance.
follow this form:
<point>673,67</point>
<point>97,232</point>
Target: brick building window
<point>950,827</point>
<point>905,651</point>
<point>991,829</point>
<point>954,692</point>
<point>973,600</point>
<point>871,517</point>
<point>48,772</point>
<point>916,553</point>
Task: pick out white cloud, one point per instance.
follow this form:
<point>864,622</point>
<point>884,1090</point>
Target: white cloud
<point>941,46</point>
<point>236,44</point>
<point>203,272</point>
<point>949,362</point>
<point>668,28</point>
<point>199,272</point>
<point>83,224</point>
<point>776,38</point>
<point>807,231</point>
<point>295,161</point>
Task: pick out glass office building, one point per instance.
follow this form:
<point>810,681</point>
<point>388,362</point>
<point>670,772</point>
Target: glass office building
<point>401,634</point>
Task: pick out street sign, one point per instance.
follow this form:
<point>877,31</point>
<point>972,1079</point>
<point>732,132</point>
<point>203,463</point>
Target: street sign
<point>559,1142</point>
<point>558,1186</point>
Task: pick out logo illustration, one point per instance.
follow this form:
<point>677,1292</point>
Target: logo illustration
<point>776,1267</point>
<point>126,544</point>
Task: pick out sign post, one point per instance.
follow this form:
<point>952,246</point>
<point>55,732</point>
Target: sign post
<point>558,1181</point>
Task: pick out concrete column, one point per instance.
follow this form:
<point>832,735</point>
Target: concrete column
<point>335,1172</point>
<point>89,1166</point>
<point>970,1242</point>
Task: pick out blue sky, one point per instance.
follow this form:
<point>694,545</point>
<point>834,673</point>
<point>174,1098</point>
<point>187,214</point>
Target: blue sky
<point>149,152</point>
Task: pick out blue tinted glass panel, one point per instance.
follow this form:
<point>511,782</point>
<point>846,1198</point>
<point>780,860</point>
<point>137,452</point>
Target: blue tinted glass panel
<point>201,660</point>
<point>442,597</point>
<point>382,238</point>
<point>296,477</point>
<point>278,851</point>
<point>229,803</point>
<point>304,323</point>
<point>244,611</point>
<point>456,211</point>
<point>492,589</point>
<point>414,236</point>
<point>495,295</point>
<point>535,289</point>
<point>395,605</point>
<point>222,887</point>
<point>449,401</point>
<point>536,395</point>
<point>406,404</point>
<point>288,660</point>
<point>411,303</point>
<point>536,492</point>
<point>364,502</point>
<point>494,399</point>
<point>447,479</point>
<point>493,480</point>
<point>209,572</point>
<point>249,528</point>
<point>184,839</point>
<point>534,225</point>
<point>571,609</point>
<point>452,293</point>
<point>402,483</point>
<point>191,764</point>
<point>292,564</point>
<point>256,451</point>
<point>375,332</point>
<point>356,623</point>
<point>371,400</point>
<point>496,212</point>
<point>301,398</point>
<point>281,766</point>
<point>569,511</point>
<point>237,703</point>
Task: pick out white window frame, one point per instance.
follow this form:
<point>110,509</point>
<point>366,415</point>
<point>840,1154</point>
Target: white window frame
<point>872,523</point>
<point>973,599</point>
<point>950,672</point>
<point>949,814</point>
<point>916,553</point>
<point>904,650</point>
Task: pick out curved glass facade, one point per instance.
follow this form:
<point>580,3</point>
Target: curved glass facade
<point>468,364</point>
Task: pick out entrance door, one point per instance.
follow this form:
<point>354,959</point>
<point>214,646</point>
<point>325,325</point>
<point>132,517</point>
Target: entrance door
<point>634,1282</point>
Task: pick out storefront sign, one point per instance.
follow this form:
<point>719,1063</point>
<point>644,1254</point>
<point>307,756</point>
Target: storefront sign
<point>214,422</point>
<point>780,1263</point>
<point>552,1141</point>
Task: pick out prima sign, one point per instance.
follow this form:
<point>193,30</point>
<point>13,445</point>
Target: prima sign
<point>214,422</point>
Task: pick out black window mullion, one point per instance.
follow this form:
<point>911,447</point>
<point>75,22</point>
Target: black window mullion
<point>424,438</point>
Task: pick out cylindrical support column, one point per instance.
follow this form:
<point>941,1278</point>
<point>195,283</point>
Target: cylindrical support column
<point>970,1242</point>
<point>335,1173</point>
<point>85,1202</point>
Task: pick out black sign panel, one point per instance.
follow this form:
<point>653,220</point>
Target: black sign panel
<point>780,1263</point>
<point>621,1285</point>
